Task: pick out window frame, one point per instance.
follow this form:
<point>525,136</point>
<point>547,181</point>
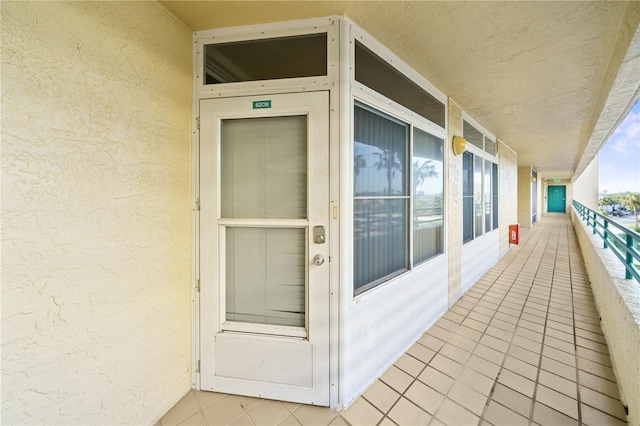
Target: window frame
<point>485,157</point>
<point>231,70</point>
<point>405,196</point>
<point>414,262</point>
<point>420,96</point>
<point>261,32</point>
<point>361,93</point>
<point>372,102</point>
<point>534,196</point>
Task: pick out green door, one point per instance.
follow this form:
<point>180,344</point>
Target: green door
<point>557,199</point>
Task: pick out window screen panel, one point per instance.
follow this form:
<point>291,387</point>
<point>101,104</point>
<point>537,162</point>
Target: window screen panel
<point>534,196</point>
<point>467,197</point>
<point>266,59</point>
<point>381,198</point>
<point>380,241</point>
<point>487,196</point>
<point>477,196</point>
<point>377,74</point>
<point>428,192</point>
<point>495,194</point>
<point>264,168</point>
<point>473,135</point>
<point>489,146</point>
<point>380,155</point>
<point>266,275</point>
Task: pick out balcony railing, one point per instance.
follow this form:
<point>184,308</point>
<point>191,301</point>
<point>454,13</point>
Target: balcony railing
<point>623,242</point>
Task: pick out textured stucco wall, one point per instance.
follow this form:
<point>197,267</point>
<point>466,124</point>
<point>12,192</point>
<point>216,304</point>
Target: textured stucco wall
<point>508,188</point>
<point>453,203</point>
<point>585,188</point>
<point>96,100</point>
<point>524,196</point>
<point>618,303</point>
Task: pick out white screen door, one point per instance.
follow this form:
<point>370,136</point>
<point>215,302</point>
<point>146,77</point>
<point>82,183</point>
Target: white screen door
<point>264,301</point>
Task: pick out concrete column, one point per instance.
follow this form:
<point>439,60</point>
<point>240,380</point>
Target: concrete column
<point>508,189</point>
<point>524,196</point>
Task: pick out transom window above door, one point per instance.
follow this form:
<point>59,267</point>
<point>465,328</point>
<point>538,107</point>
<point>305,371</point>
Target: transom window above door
<point>266,59</point>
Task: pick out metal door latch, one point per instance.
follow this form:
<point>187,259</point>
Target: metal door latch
<point>318,234</point>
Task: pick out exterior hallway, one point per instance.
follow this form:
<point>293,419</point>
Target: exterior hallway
<point>522,346</point>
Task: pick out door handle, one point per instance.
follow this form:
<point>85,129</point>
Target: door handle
<point>318,259</point>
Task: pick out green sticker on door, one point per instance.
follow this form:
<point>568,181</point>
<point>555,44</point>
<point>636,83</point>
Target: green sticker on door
<point>261,104</point>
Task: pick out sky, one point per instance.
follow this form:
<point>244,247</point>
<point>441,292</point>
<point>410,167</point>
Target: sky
<point>619,166</point>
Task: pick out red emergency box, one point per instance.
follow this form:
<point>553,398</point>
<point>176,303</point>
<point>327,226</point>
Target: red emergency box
<point>514,234</point>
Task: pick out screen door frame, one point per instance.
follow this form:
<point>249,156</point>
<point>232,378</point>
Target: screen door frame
<point>231,352</point>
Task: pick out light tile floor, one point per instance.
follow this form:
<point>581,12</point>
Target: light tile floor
<point>522,346</point>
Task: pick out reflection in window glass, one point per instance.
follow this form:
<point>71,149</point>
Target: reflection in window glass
<point>381,198</point>
<point>467,196</point>
<point>380,238</point>
<point>380,152</point>
<point>487,196</point>
<point>428,187</point>
<point>495,196</point>
<point>477,195</point>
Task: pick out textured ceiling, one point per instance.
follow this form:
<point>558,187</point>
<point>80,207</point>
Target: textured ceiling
<point>536,74</point>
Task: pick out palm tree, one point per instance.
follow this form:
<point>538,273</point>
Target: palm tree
<point>607,201</point>
<point>423,171</point>
<point>390,162</point>
<point>632,199</point>
<point>358,163</point>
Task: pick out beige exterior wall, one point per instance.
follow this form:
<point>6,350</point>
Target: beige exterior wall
<point>585,188</point>
<point>524,196</point>
<point>508,188</point>
<point>96,112</point>
<point>541,201</point>
<point>453,184</point>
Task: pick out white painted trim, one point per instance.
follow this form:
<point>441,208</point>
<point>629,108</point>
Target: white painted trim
<point>361,93</point>
<point>336,123</point>
<point>394,109</point>
<point>478,256</point>
<point>367,97</point>
<point>270,30</point>
<point>382,329</point>
<point>315,349</point>
<point>309,26</point>
<point>347,56</point>
<point>195,236</point>
<point>258,32</point>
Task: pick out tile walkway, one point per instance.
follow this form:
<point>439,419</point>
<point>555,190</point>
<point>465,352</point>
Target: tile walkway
<point>522,347</point>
